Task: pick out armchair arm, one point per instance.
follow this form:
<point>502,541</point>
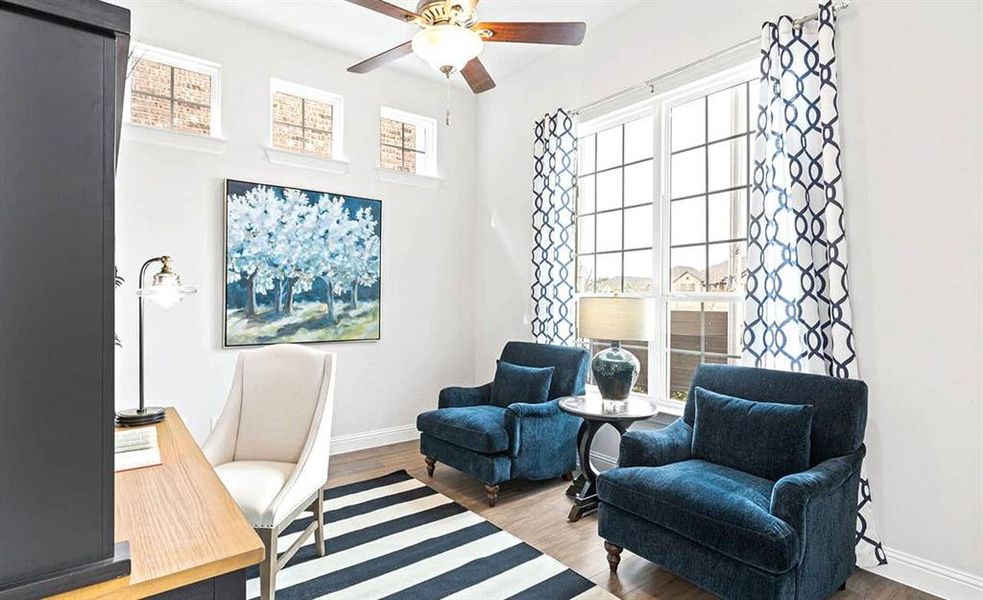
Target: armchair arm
<point>539,434</point>
<point>793,493</point>
<point>456,397</point>
<point>656,448</point>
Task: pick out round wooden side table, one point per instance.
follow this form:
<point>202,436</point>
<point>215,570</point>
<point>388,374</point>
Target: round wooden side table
<point>596,412</point>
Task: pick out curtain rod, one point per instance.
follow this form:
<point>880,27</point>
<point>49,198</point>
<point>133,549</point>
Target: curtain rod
<point>838,5</point>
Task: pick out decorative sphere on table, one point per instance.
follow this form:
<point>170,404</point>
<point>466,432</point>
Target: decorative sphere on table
<point>615,372</point>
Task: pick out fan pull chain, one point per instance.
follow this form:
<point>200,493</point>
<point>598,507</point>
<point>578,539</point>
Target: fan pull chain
<point>447,104</point>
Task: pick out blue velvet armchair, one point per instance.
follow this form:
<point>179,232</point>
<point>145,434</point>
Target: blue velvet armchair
<point>730,532</point>
<point>522,440</point>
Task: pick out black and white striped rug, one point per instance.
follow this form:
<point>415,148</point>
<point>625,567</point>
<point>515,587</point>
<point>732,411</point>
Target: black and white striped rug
<point>394,537</point>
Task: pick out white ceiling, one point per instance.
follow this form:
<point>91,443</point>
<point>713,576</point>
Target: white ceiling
<point>363,33</point>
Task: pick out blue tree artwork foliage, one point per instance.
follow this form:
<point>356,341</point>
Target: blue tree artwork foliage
<point>301,266</point>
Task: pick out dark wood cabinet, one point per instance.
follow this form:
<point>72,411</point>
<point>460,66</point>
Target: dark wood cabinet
<point>61,68</point>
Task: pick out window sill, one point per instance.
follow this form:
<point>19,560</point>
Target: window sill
<point>173,139</point>
<point>414,179</point>
<point>306,161</point>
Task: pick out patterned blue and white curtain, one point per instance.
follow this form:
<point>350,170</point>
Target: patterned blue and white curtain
<point>553,223</point>
<point>797,312</point>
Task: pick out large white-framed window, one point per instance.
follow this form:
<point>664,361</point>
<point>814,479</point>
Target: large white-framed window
<point>407,143</point>
<point>306,120</point>
<point>175,92</point>
<point>693,179</point>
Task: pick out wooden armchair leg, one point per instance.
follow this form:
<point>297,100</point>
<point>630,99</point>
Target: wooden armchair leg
<point>614,555</point>
<point>319,514</point>
<point>267,568</point>
<point>491,493</point>
<point>431,463</point>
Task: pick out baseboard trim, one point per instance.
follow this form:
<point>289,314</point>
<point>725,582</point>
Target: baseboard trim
<point>928,576</point>
<point>343,444</point>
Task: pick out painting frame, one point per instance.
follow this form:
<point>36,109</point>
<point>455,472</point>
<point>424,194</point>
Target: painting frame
<point>230,343</point>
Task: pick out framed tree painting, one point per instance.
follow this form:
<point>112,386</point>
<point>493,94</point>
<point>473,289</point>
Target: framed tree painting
<point>300,266</point>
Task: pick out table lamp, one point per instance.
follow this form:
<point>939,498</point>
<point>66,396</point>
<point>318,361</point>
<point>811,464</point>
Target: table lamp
<point>166,290</point>
<point>615,318</point>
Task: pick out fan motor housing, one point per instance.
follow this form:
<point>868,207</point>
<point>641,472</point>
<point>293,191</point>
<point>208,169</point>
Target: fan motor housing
<point>446,12</point>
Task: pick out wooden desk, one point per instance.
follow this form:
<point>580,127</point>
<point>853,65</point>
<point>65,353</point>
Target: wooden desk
<point>183,527</point>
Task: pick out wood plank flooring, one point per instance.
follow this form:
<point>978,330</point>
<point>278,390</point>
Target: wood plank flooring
<point>536,512</point>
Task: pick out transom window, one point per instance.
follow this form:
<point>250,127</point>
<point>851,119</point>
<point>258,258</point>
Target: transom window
<point>306,120</point>
<point>406,142</point>
<point>168,90</point>
<point>398,143</point>
<point>662,211</point>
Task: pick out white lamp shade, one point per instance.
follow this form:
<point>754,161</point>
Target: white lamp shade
<point>447,46</point>
<point>615,318</point>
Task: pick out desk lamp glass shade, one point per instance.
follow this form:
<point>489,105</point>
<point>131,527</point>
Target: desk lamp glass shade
<point>166,290</point>
<point>615,318</point>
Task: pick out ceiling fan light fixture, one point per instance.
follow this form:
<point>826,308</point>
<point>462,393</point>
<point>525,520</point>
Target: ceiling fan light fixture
<point>447,46</point>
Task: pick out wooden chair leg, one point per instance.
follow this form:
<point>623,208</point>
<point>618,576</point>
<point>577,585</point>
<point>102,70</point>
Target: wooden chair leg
<point>491,493</point>
<point>614,555</point>
<point>431,463</point>
<point>267,568</point>
<point>319,513</point>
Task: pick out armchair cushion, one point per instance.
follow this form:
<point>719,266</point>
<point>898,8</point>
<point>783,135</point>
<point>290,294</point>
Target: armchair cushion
<point>517,383</point>
<point>570,363</point>
<point>766,439</point>
<point>254,484</point>
<point>478,428</point>
<point>713,505</point>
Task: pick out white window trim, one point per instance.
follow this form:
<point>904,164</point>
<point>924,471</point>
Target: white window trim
<point>658,106</point>
<point>338,163</point>
<point>169,137</point>
<point>173,139</point>
<point>426,169</point>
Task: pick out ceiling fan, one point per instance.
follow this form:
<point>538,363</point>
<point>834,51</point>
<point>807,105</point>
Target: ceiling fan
<point>451,37</point>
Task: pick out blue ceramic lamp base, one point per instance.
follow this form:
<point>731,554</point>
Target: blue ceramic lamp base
<point>615,371</point>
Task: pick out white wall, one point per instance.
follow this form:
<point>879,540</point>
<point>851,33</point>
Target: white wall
<point>171,201</point>
<point>910,93</point>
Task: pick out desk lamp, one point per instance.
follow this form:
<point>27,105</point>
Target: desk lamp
<point>166,290</point>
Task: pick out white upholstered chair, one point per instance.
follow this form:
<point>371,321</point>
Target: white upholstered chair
<point>271,443</point>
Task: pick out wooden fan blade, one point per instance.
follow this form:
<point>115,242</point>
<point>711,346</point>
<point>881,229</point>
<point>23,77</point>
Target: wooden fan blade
<point>477,77</point>
<point>381,59</point>
<point>387,9</point>
<point>567,34</point>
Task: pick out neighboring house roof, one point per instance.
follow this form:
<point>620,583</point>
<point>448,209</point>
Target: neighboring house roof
<point>718,273</point>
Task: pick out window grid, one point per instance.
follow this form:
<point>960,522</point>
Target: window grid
<point>593,253</point>
<point>406,162</point>
<point>309,145</point>
<point>171,99</point>
<point>707,295</point>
